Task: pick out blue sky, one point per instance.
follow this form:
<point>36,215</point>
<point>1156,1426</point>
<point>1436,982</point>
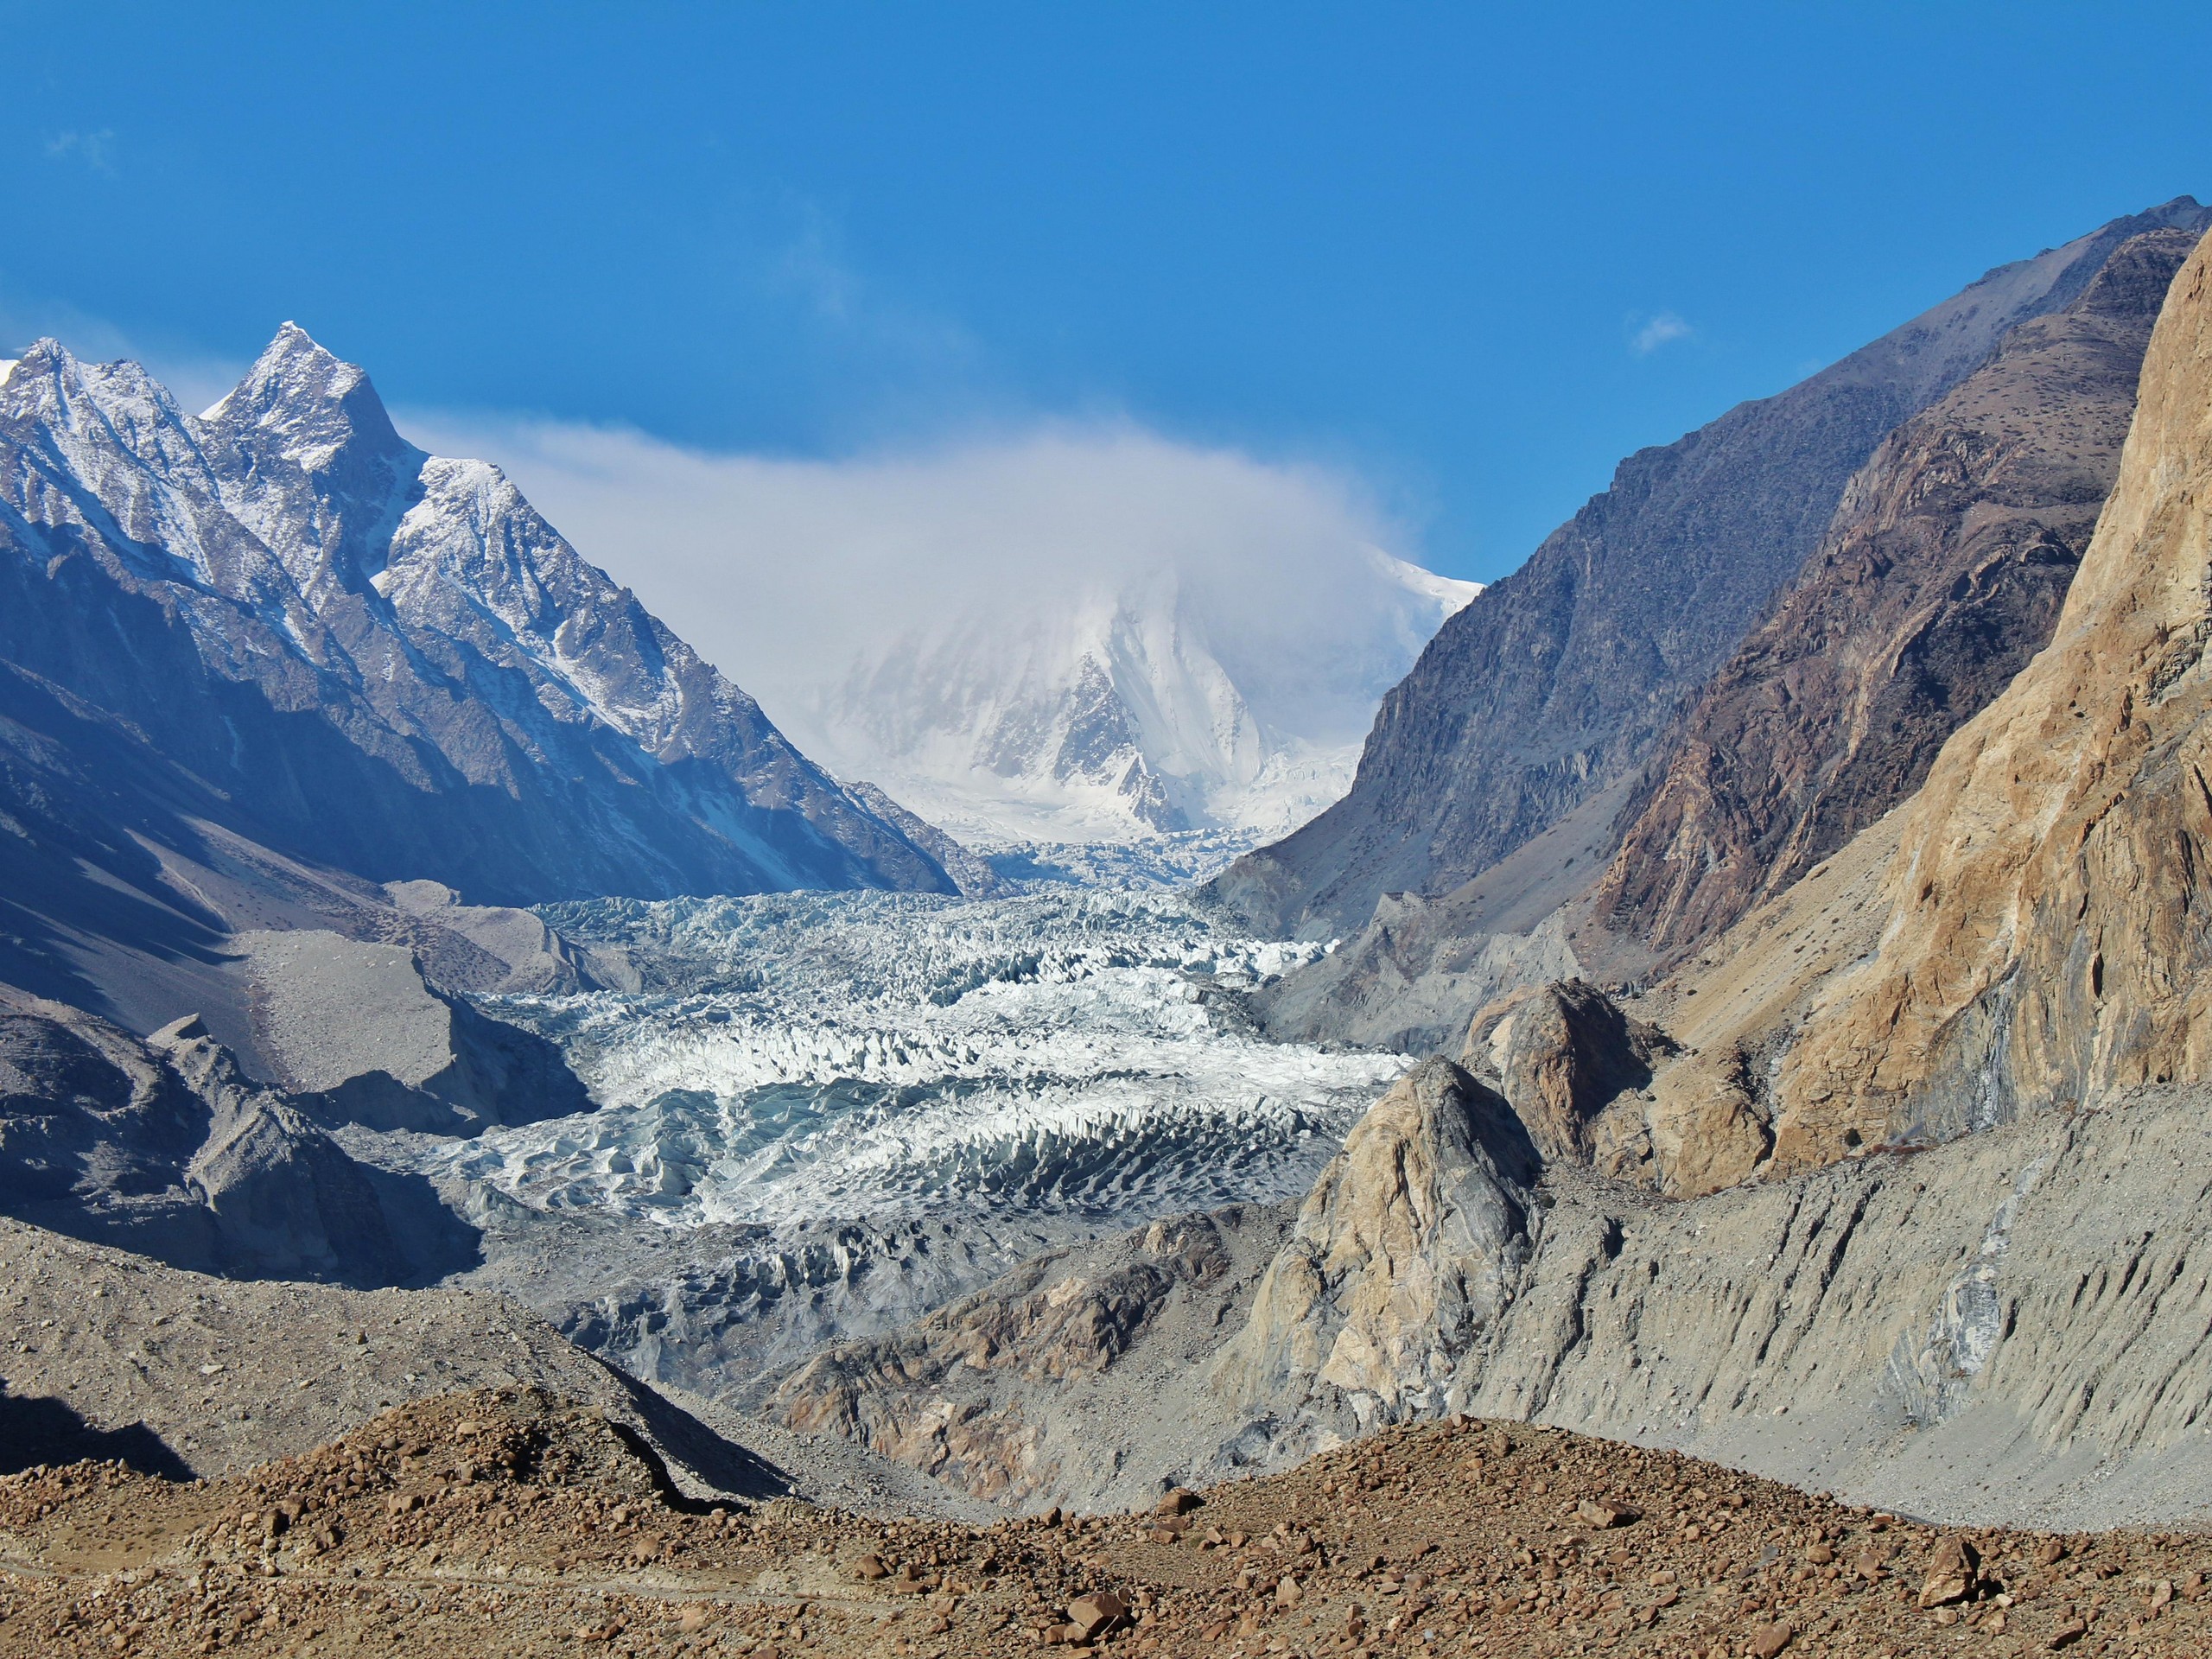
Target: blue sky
<point>1469,255</point>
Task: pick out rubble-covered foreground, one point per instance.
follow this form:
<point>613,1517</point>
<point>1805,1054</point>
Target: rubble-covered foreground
<point>508,1521</point>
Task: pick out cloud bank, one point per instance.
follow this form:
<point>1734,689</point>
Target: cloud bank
<point>787,573</point>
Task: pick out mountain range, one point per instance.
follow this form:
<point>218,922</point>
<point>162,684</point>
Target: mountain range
<point>277,635</point>
<point>1538,704</point>
<point>1784,896</point>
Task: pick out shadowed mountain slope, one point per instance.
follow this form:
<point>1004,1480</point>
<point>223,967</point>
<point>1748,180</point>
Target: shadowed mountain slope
<point>382,660</point>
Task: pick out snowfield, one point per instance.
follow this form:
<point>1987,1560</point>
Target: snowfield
<point>799,1058</point>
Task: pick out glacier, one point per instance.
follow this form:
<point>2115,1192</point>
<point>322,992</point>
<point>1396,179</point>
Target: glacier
<point>819,1114</point>
<point>812,1055</point>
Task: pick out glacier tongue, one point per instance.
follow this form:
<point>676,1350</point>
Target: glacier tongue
<point>806,1056</point>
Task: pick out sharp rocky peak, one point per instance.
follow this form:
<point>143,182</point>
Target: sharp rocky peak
<point>309,459</point>
<point>52,378</point>
<point>302,401</point>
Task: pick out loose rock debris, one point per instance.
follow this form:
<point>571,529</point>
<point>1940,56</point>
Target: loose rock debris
<point>511,1522</point>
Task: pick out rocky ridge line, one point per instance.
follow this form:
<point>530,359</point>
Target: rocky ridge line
<point>510,1521</point>
<point>1950,557</point>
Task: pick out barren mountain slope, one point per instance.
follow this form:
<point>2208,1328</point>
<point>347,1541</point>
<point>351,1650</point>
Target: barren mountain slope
<point>118,1358</point>
<point>1554,684</point>
<point>115,1355</point>
<point>2046,943</point>
<point>1943,575</point>
<point>165,1148</point>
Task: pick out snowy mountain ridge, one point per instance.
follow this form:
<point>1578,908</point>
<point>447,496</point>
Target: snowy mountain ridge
<point>385,659</point>
<point>1076,634</point>
<point>1128,710</point>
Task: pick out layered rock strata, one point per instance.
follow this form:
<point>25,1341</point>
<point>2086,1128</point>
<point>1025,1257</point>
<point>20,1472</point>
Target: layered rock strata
<point>2045,944</point>
<point>1943,573</point>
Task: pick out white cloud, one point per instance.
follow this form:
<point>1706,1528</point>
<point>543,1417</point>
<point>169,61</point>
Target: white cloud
<point>784,572</point>
<point>95,149</point>
<point>1660,330</point>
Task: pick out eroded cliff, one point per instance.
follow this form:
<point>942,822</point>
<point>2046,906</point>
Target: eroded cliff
<point>1942,576</point>
<point>2046,941</point>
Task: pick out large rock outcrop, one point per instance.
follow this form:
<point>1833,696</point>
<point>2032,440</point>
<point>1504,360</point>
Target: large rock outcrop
<point>1036,1386</point>
<point>2047,940</point>
<point>1561,1054</point>
<point>1556,685</point>
<point>1942,574</point>
<point>2011,1326</point>
<point>1403,1258</point>
<point>165,1148</point>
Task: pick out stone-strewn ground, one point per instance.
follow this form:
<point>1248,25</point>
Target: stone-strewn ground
<point>508,1521</point>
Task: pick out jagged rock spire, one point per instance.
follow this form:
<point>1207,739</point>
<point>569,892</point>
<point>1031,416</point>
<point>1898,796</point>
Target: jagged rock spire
<point>308,405</point>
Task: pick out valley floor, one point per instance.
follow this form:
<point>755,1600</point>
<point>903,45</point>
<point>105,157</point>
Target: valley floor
<point>510,1521</point>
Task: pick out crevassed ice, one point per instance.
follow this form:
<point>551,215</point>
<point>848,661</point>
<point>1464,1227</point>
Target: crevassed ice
<point>829,1055</point>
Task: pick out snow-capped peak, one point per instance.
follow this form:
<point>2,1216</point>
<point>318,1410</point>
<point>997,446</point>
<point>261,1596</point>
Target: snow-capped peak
<point>431,652</point>
<point>309,405</point>
<point>1156,703</point>
<point>1449,594</point>
<point>7,368</point>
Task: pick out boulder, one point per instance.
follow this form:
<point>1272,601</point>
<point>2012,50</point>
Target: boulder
<point>1953,1571</point>
<point>1091,1616</point>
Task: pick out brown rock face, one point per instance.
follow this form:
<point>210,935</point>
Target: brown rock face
<point>2048,938</point>
<point>1942,574</point>
<point>1091,1614</point>
<point>1560,1054</point>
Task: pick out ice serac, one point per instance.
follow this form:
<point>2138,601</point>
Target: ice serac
<point>382,660</point>
<point>2047,943</point>
<point>1942,574</point>
<point>1556,685</point>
